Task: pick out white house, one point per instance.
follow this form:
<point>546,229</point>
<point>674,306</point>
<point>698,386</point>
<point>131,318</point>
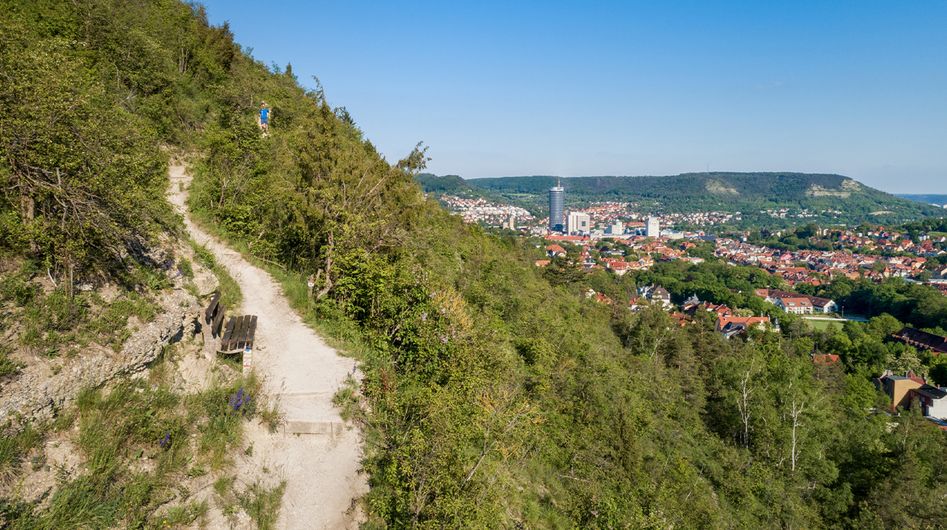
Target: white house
<point>933,401</point>
<point>795,304</point>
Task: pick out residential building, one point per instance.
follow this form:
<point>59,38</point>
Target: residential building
<point>554,251</point>
<point>800,304</point>
<point>922,340</point>
<point>795,304</point>
<point>899,387</point>
<point>653,227</point>
<point>578,223</point>
<point>731,325</point>
<point>825,358</point>
<point>656,294</point>
<point>661,295</point>
<point>933,401</point>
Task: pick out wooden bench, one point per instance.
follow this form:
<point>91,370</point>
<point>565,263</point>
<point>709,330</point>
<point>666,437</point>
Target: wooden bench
<point>238,334</point>
<point>214,314</point>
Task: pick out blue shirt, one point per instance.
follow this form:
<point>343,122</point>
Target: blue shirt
<point>264,115</point>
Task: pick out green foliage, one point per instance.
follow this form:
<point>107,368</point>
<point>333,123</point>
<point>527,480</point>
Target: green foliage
<point>13,448</point>
<point>135,441</point>
<point>82,183</point>
<point>7,365</point>
<point>55,323</point>
<point>230,294</point>
<point>262,504</point>
<point>492,387</point>
<point>920,305</point>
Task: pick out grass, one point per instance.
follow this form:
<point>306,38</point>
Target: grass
<point>219,425</point>
<point>823,325</point>
<point>346,399</point>
<point>262,504</point>
<point>259,502</point>
<point>56,323</point>
<point>7,366</point>
<point>230,294</point>
<point>14,446</point>
<point>137,442</point>
<point>183,515</point>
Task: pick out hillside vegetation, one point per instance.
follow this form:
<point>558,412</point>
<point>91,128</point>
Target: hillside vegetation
<point>935,199</point>
<point>495,395</point>
<point>693,192</point>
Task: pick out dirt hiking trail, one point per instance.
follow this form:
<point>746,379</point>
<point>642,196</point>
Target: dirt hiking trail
<point>312,451</point>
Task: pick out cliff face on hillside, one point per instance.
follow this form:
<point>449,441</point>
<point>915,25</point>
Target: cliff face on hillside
<point>41,391</point>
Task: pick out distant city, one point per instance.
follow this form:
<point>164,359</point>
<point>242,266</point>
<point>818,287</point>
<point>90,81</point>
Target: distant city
<point>620,237</point>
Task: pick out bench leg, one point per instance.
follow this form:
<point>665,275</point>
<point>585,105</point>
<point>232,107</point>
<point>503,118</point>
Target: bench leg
<point>247,360</point>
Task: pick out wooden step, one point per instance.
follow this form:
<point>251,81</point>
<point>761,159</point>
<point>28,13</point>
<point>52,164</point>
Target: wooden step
<point>326,428</point>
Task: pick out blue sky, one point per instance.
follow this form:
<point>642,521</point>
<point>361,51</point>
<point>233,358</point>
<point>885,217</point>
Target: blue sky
<point>628,88</point>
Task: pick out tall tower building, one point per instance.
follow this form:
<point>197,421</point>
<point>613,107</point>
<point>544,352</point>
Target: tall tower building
<point>557,197</point>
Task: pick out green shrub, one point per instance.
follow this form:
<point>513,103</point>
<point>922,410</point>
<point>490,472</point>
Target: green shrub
<point>7,366</point>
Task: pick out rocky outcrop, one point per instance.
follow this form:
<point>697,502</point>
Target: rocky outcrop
<point>720,188</point>
<point>36,395</point>
<point>844,191</point>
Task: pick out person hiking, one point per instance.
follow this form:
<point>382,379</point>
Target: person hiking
<point>265,117</point>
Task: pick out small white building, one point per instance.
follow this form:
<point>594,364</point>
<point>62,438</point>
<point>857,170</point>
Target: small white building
<point>578,223</point>
<point>933,401</point>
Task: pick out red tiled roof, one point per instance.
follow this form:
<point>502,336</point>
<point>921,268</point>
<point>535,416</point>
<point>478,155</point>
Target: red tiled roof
<point>825,358</point>
<point>723,320</point>
<point>556,248</point>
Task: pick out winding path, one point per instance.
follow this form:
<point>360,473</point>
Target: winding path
<point>314,452</point>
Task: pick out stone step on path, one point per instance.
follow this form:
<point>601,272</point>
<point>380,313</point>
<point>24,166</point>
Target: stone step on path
<point>302,418</point>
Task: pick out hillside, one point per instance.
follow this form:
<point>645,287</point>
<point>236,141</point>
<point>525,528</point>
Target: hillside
<point>940,200</point>
<point>744,192</point>
<point>496,394</point>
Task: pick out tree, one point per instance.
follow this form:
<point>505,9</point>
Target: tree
<point>86,185</point>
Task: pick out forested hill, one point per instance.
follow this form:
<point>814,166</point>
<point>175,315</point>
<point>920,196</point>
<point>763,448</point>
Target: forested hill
<point>495,393</point>
<point>745,192</point>
<point>935,199</point>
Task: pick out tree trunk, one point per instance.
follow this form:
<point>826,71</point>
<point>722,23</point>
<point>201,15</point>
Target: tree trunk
<point>796,414</point>
<point>744,406</point>
<point>28,213</point>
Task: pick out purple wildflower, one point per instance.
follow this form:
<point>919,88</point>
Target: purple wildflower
<point>240,400</point>
<point>166,440</point>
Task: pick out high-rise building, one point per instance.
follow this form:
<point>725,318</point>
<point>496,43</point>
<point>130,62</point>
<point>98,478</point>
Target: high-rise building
<point>578,223</point>
<point>615,229</point>
<point>557,197</point>
<point>653,227</point>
